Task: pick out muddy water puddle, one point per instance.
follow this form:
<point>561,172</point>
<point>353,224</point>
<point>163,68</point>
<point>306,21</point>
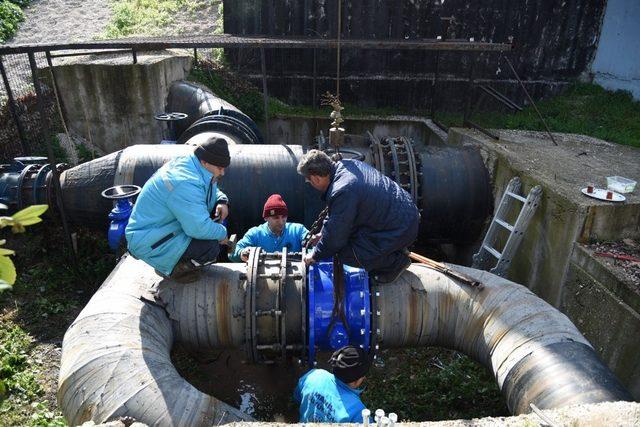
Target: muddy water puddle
<point>262,391</point>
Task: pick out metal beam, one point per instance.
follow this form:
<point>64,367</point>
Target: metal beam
<point>228,41</point>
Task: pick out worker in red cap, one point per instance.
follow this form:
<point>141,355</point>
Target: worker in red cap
<point>274,235</point>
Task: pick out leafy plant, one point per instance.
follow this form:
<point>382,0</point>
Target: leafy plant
<point>10,16</point>
<point>17,222</point>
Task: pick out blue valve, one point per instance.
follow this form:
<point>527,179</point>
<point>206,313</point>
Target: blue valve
<point>327,333</point>
<point>119,215</point>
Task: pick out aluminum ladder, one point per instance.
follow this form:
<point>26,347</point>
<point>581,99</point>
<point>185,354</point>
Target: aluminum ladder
<point>487,250</point>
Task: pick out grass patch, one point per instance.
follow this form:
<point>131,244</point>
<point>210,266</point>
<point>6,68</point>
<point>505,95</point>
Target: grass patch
<point>586,109</point>
<point>433,384</point>
<point>146,17</point>
<point>34,315</point>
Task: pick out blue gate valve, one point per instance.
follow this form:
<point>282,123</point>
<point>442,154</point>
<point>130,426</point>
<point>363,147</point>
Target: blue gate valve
<point>119,215</point>
<point>327,333</point>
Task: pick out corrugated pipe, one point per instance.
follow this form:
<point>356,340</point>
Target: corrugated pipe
<point>116,354</point>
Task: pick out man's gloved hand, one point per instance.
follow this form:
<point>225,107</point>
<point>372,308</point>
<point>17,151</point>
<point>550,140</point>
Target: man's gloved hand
<point>308,259</point>
<point>244,255</point>
<point>222,211</point>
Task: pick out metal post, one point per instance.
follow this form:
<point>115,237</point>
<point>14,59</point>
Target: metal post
<point>135,55</point>
<point>526,92</point>
<point>56,92</point>
<point>24,146</point>
<point>265,95</point>
<point>44,123</point>
<point>195,56</point>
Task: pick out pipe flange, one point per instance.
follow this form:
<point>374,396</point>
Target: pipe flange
<point>395,158</point>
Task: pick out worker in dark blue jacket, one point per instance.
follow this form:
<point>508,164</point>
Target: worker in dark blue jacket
<point>326,397</point>
<point>274,234</point>
<point>371,220</point>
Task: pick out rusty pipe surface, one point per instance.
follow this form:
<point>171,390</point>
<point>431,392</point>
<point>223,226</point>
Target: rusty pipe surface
<point>116,354</point>
<point>535,353</point>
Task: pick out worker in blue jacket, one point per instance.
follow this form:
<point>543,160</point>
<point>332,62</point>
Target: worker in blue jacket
<point>274,235</point>
<point>371,220</point>
<point>171,222</point>
<point>326,397</point>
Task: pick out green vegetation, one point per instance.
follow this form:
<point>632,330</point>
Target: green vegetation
<point>433,384</point>
<point>11,16</point>
<point>47,296</point>
<point>146,17</point>
<point>586,109</point>
<point>17,222</point>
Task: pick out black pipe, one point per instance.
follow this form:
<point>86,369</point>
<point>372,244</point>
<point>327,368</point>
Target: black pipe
<point>208,112</point>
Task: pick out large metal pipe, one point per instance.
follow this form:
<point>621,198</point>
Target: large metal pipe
<point>454,188</point>
<point>257,171</point>
<point>207,112</point>
<point>116,362</point>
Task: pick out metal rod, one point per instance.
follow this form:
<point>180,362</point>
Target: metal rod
<point>500,97</point>
<point>339,31</point>
<point>135,55</point>
<point>195,56</point>
<point>481,129</point>
<point>526,92</point>
<point>97,52</point>
<point>228,41</point>
<point>44,123</point>
<point>24,146</point>
<point>265,95</point>
<point>56,92</point>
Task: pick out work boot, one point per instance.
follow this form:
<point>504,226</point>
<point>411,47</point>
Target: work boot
<point>184,272</point>
<point>385,277</point>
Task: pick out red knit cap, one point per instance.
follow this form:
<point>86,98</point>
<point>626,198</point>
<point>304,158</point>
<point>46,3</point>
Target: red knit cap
<point>275,206</point>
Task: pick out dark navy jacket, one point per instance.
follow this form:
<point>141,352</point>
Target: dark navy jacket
<point>370,216</point>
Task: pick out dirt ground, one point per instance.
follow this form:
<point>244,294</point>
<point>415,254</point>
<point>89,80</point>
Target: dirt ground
<point>623,257</point>
<point>63,21</point>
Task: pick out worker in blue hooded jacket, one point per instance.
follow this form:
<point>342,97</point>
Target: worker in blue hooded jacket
<point>274,234</point>
<point>334,397</point>
<point>171,222</point>
<point>371,220</point>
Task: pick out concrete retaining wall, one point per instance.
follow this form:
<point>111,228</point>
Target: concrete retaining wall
<point>606,312</point>
<point>604,309</point>
<point>111,102</point>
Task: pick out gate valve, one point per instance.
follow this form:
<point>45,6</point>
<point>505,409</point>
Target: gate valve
<point>119,215</point>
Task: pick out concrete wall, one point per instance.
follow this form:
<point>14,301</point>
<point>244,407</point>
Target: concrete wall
<point>617,61</point>
<point>304,130</point>
<point>111,102</point>
<point>601,306</point>
<point>606,311</point>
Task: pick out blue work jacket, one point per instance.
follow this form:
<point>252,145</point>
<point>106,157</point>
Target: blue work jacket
<point>262,237</point>
<point>369,214</point>
<point>325,399</point>
<point>174,207</point>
